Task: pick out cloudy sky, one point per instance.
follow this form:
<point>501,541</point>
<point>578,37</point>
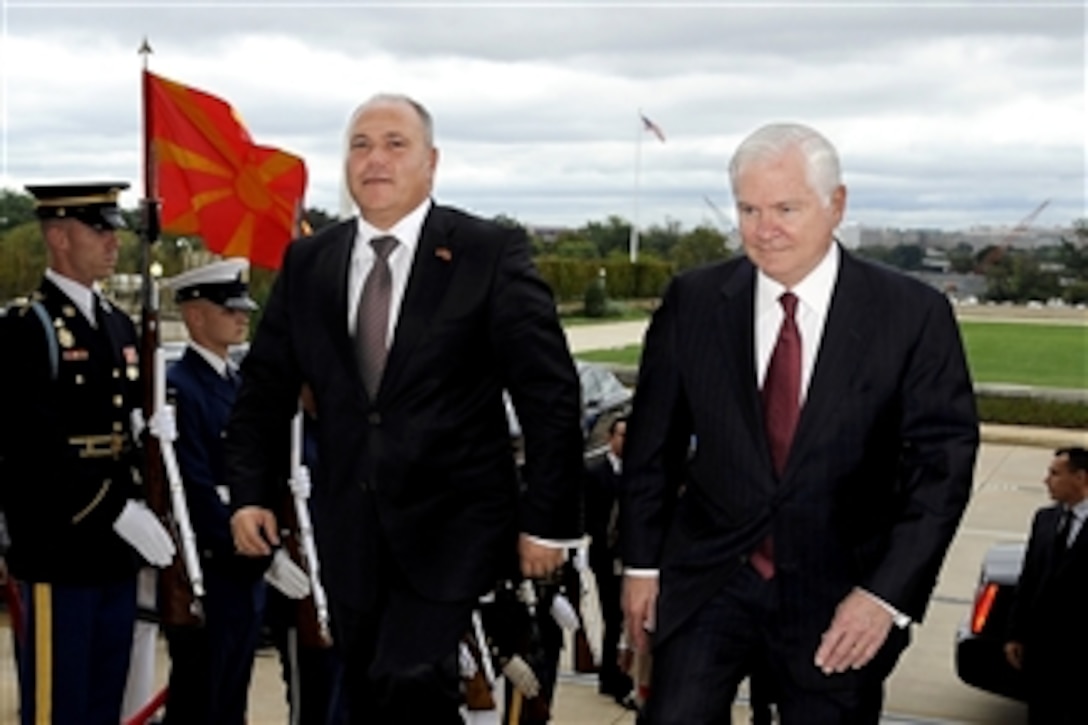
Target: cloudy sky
<point>946,114</point>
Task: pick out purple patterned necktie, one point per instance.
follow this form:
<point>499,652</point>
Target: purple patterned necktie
<point>372,321</point>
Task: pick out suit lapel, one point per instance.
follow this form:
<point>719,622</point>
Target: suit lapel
<point>737,346</point>
<point>435,260</point>
<point>334,269</point>
<point>848,326</point>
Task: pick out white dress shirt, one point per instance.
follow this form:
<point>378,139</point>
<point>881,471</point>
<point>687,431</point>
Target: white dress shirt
<point>82,296</point>
<point>407,232</point>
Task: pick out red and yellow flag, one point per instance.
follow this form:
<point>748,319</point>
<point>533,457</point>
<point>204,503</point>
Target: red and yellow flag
<point>241,198</point>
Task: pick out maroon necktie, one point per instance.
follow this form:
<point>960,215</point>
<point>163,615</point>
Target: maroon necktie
<point>372,321</point>
<point>781,409</point>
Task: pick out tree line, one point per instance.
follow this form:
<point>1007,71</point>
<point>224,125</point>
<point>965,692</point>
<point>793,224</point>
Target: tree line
<point>590,262</point>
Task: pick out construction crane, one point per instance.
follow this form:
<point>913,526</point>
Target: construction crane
<point>722,218</point>
<point>996,252</point>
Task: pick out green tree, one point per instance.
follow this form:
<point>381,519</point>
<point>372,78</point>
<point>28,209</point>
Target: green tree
<point>22,260</point>
<point>700,246</point>
<point>16,209</point>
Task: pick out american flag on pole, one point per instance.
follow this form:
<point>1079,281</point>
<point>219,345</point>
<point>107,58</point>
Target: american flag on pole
<point>653,128</point>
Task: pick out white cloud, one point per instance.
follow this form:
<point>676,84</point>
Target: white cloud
<point>946,114</point>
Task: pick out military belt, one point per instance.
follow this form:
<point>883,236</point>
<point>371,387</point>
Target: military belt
<point>111,445</point>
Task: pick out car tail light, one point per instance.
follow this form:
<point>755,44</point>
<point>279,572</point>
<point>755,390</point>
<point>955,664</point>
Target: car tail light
<point>984,603</point>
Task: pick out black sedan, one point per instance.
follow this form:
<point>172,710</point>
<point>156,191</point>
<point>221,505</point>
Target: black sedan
<point>980,638</point>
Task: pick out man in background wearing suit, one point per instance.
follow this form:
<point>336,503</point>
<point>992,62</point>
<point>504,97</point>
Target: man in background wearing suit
<point>407,323</point>
<point>1047,634</point>
<point>798,458</point>
<point>602,525</point>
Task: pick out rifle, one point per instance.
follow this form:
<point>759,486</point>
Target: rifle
<point>177,604</point>
<point>315,608</point>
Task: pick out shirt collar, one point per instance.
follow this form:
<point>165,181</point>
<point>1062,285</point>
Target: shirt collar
<point>407,230</point>
<point>219,365</point>
<point>80,294</point>
<point>1080,510</point>
<point>814,291</point>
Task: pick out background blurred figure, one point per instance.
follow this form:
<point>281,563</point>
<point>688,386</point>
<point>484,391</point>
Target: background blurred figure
<point>1047,640</point>
<point>211,664</point>
<point>74,506</point>
<point>602,525</point>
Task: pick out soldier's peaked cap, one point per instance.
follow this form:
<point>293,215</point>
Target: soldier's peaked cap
<point>93,203</point>
<point>224,282</point>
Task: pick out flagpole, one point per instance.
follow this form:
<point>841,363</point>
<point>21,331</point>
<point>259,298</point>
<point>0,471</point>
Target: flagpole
<point>633,243</point>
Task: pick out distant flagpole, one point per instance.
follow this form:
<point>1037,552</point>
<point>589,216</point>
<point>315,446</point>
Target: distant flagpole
<point>644,125</point>
<point>632,246</point>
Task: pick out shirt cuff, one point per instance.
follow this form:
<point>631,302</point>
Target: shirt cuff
<point>557,543</point>
<point>641,573</point>
<point>900,620</point>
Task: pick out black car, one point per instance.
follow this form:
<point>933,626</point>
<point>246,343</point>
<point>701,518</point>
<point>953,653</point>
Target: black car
<point>980,638</point>
<point>604,398</point>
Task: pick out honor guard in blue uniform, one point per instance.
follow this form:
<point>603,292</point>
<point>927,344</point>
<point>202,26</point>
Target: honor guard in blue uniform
<point>211,665</point>
<point>72,490</point>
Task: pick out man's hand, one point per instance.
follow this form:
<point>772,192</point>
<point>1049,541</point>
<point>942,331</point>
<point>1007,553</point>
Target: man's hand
<point>857,632</point>
<point>639,605</point>
<point>538,560</point>
<point>1014,653</point>
<point>254,530</point>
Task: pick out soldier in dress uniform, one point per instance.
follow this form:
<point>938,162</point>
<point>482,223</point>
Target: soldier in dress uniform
<point>79,528</point>
<point>211,665</point>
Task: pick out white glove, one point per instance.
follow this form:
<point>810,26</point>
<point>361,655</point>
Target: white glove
<point>136,420</point>
<point>300,483</point>
<point>164,424</point>
<point>518,672</point>
<point>466,662</point>
<point>287,576</point>
<point>142,530</point>
<point>590,606</point>
<point>563,613</point>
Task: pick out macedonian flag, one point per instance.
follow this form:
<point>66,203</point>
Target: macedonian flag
<point>241,198</point>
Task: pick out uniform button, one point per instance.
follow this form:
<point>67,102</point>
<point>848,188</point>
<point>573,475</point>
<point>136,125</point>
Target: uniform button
<point>79,380</point>
<point>374,418</point>
<point>116,373</point>
<point>117,427</point>
<point>118,401</point>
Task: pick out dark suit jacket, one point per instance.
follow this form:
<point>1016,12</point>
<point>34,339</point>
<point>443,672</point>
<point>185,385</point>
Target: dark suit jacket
<point>602,494</point>
<point>1051,600</point>
<point>431,453</point>
<point>878,474</point>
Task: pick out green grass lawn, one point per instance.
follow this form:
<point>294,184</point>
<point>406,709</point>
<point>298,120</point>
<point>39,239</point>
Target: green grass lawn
<point>1051,356</point>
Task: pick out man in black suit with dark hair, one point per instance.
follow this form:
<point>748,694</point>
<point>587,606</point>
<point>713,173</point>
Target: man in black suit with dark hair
<point>602,525</point>
<point>798,458</point>
<point>1047,637</point>
<point>407,323</point>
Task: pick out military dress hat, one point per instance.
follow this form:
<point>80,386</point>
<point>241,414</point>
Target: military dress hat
<point>94,204</point>
<point>224,283</point>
